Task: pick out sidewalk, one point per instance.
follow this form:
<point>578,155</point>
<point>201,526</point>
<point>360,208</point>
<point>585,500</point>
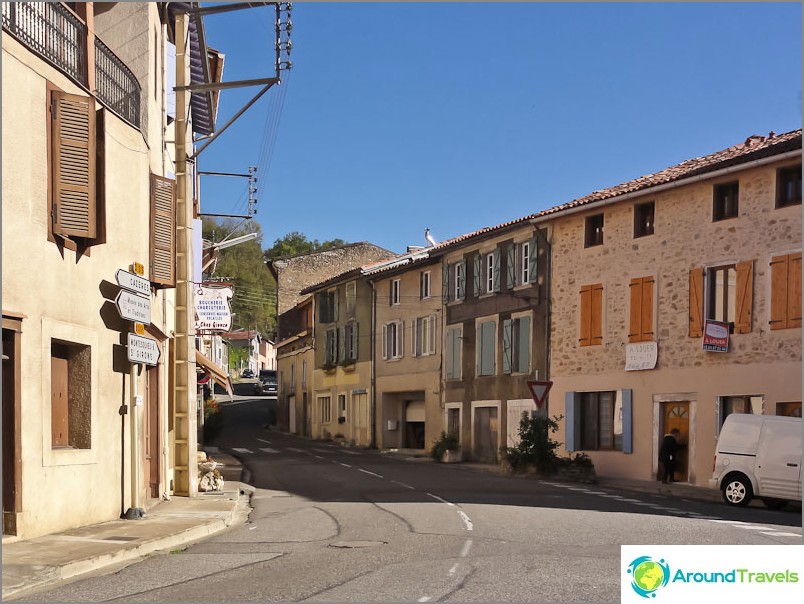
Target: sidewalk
<point>36,563</point>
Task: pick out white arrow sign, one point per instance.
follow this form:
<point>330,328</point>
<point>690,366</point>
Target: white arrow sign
<point>133,282</point>
<point>133,307</point>
<point>142,350</point>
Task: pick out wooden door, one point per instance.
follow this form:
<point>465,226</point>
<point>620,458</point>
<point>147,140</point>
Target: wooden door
<point>59,396</point>
<point>152,431</point>
<point>677,415</point>
<point>485,424</point>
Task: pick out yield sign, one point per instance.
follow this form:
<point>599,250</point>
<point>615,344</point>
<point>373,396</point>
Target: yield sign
<point>539,390</point>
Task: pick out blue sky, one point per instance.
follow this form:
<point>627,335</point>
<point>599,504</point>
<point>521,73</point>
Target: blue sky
<point>456,116</point>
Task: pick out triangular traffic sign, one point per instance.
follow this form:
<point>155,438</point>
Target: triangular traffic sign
<point>539,390</point>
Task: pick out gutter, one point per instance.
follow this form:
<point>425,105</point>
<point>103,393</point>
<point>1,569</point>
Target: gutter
<point>667,186</point>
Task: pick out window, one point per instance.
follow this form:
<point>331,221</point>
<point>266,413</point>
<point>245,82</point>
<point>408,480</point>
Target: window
<point>425,336</point>
<point>591,315</point>
<point>486,347</point>
<point>73,208</point>
<point>424,285</point>
<point>392,340</point>
<point>524,262</point>
<point>643,219</point>
<point>395,292</point>
<point>594,230</point>
<point>325,409</point>
<point>331,350</point>
<point>738,404</point>
<point>293,376</point>
<point>789,409</point>
<point>163,230</point>
<point>454,345</point>
<point>328,306</point>
<point>454,422</point>
<point>350,341</point>
<point>641,319</point>
<point>304,375</point>
<point>491,269</point>
<point>516,345</point>
<point>521,263</point>
<point>70,395</point>
<point>460,280</point>
<point>726,198</point>
<point>351,298</point>
<point>727,296</point>
<point>597,422</point>
<point>721,293</point>
<point>341,408</point>
<point>786,291</point>
<point>788,186</point>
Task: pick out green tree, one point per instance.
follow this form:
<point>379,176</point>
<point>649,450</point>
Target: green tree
<point>295,243</point>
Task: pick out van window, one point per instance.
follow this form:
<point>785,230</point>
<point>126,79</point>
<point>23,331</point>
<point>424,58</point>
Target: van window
<point>750,403</point>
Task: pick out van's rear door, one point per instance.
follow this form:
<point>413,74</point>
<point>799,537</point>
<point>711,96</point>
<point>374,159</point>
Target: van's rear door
<point>778,464</point>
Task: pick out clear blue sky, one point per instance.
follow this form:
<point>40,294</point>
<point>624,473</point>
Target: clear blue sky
<point>456,116</point>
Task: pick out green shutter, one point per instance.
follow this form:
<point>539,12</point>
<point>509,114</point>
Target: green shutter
<point>445,289</point>
<point>507,345</point>
<point>477,289</point>
<point>511,267</point>
<point>461,287</point>
<point>523,365</point>
<point>533,264</point>
<point>495,276</point>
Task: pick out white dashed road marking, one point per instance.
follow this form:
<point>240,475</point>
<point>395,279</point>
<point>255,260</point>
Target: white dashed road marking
<point>466,520</point>
<point>466,547</point>
<point>407,486</point>
<point>439,499</point>
<point>242,450</point>
<point>262,440</point>
<point>268,450</point>
<point>367,472</point>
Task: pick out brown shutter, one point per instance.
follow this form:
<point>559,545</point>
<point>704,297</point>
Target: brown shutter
<point>586,315</point>
<point>696,303</point>
<point>794,290</point>
<point>73,171</point>
<point>597,314</point>
<point>779,269</point>
<point>635,327</point>
<point>163,230</point>
<point>647,309</point>
<point>745,289</point>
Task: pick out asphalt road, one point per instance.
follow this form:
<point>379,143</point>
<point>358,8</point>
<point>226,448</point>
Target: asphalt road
<point>337,524</point>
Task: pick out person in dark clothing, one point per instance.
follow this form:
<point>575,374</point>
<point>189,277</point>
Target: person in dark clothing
<point>667,456</point>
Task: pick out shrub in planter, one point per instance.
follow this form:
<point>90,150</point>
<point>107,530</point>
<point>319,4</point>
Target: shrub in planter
<point>445,442</point>
<point>213,420</point>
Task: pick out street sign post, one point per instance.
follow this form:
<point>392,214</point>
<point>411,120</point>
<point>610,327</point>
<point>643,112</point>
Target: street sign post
<point>142,350</point>
<point>133,307</point>
<point>133,282</point>
<point>539,390</point>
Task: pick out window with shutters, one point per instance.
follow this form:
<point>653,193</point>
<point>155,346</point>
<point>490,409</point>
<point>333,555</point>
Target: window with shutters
<point>70,395</point>
<point>786,291</point>
<point>325,409</point>
<point>331,350</point>
<point>728,296</point>
<point>591,333</point>
<point>163,231</point>
<point>516,345</point>
<point>454,353</point>
<point>396,295</point>
<point>644,219</point>
<point>424,285</point>
<point>641,320</point>
<point>350,341</point>
<point>73,165</point>
<point>486,347</point>
<point>593,230</point>
<point>424,332</point>
<point>351,298</point>
<point>600,421</point>
<point>726,197</point>
<point>788,186</point>
<point>328,306</point>
<point>460,279</point>
<point>392,340</point>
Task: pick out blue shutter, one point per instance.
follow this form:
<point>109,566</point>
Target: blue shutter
<point>628,434</point>
<point>511,268</point>
<point>450,354</point>
<point>445,270</point>
<point>495,275</point>
<point>524,345</point>
<point>507,345</point>
<point>461,281</point>
<point>477,288</point>
<point>571,419</point>
<point>533,265</point>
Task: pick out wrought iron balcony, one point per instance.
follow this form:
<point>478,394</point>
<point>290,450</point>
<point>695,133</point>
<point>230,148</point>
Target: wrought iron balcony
<point>56,34</point>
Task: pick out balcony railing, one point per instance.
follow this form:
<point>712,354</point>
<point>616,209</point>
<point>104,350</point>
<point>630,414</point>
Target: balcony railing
<point>53,32</point>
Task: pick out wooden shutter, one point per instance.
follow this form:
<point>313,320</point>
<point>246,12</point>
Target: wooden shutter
<point>572,417</point>
<point>451,353</point>
<point>745,288</point>
<point>627,420</point>
<point>355,341</point>
<point>523,356</point>
<point>533,265</point>
<point>508,345</point>
<point>477,278</point>
<point>641,324</point>
<point>460,288</point>
<point>163,230</point>
<point>785,291</point>
<point>418,325</point>
<point>446,269</point>
<point>73,210</point>
<point>696,303</point>
<point>385,342</point>
<point>495,272</point>
<point>341,337</point>
<point>591,315</point>
<point>511,266</point>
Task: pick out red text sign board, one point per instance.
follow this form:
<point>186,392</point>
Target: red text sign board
<point>539,390</point>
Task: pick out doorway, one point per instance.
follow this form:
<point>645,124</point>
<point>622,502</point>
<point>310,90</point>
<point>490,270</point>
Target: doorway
<point>292,414</point>
<point>414,425</point>
<point>12,485</point>
<point>676,414</point>
<point>152,432</point>
<point>486,434</point>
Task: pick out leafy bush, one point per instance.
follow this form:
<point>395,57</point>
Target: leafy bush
<point>535,446</point>
<point>213,420</point>
<point>445,442</point>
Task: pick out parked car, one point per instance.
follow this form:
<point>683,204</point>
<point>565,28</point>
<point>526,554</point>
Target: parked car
<point>758,456</point>
<point>267,383</point>
<point>247,373</point>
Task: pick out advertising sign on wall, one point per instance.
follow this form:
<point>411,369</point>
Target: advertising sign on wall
<point>716,336</point>
<point>213,310</point>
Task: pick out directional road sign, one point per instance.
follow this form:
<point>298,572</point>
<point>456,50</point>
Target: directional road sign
<point>133,282</point>
<point>142,350</point>
<point>133,307</point>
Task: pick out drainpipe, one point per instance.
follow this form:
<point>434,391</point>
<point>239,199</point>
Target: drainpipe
<point>373,403</point>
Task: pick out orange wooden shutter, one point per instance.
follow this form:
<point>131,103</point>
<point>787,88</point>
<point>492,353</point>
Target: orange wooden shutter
<point>73,170</point>
<point>794,290</point>
<point>635,326</point>
<point>745,289</point>
<point>779,269</point>
<point>696,303</point>
<point>597,314</point>
<point>586,315</point>
<point>647,309</point>
<point>163,229</point>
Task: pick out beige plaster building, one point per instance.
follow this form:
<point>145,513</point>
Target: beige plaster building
<point>647,276</point>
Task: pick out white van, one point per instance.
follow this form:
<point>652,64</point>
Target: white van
<point>759,456</point>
